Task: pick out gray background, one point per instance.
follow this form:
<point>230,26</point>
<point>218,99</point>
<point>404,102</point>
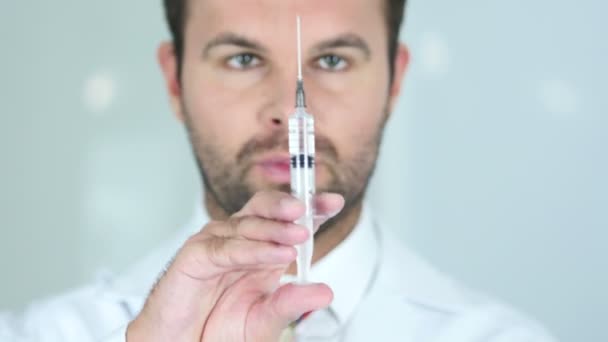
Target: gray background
<point>494,164</point>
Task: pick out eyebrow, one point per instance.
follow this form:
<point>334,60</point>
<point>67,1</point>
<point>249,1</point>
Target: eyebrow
<point>233,39</point>
<point>347,40</point>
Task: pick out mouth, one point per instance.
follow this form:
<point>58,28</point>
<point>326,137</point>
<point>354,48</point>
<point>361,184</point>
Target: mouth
<point>275,167</point>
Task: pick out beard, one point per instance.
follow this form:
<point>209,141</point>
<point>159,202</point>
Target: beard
<point>226,179</point>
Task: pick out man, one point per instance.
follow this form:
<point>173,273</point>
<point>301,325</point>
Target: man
<point>230,74</point>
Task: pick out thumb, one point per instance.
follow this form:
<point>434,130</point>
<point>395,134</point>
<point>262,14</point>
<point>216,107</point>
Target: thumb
<point>291,301</point>
<point>288,303</point>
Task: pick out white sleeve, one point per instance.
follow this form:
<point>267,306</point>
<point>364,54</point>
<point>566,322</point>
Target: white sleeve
<point>522,334</point>
<point>12,329</point>
<point>119,335</point>
<point>79,316</point>
<point>37,326</point>
<point>493,324</point>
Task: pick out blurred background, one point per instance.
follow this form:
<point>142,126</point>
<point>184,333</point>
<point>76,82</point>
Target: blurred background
<point>494,164</point>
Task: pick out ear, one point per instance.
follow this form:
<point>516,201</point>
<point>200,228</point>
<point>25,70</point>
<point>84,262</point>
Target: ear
<point>401,62</point>
<point>167,61</point>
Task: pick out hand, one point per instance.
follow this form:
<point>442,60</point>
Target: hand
<point>223,285</point>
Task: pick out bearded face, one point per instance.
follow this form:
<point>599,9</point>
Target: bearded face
<point>237,88</point>
<point>263,164</point>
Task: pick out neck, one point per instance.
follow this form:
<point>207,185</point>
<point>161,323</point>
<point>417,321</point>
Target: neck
<point>331,236</point>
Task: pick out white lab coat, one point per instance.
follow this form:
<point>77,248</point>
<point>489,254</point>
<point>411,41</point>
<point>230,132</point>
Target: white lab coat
<point>383,292</point>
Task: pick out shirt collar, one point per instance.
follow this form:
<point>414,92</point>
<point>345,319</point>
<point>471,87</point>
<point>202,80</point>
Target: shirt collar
<point>348,269</point>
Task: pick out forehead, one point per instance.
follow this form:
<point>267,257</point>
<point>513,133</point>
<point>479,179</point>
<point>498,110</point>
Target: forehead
<point>275,19</point>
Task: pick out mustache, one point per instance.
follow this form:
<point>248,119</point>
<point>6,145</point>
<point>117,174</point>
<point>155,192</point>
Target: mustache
<point>281,142</point>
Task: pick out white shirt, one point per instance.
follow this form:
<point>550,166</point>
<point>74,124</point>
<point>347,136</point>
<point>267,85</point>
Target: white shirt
<point>382,292</point>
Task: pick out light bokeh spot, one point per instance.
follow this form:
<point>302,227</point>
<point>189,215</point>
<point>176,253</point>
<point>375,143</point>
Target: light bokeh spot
<point>99,92</point>
<point>558,97</point>
<point>433,54</point>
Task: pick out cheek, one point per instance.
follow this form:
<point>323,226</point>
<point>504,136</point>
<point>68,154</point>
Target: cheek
<point>221,113</point>
<point>351,113</point>
<point>357,132</point>
<point>212,114</point>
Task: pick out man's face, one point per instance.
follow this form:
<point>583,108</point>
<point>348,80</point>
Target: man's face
<point>238,89</point>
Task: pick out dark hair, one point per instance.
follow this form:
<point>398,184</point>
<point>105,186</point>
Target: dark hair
<point>176,12</point>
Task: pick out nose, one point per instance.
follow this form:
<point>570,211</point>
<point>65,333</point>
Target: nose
<point>280,103</point>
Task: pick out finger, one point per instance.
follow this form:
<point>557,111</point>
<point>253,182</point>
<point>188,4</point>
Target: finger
<point>239,253</point>
<point>270,316</point>
<point>273,205</point>
<point>260,229</point>
<point>291,301</point>
<point>327,205</point>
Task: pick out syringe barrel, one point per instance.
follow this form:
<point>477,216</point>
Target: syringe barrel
<point>302,154</point>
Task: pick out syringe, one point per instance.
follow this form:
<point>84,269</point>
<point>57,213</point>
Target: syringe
<point>302,153</point>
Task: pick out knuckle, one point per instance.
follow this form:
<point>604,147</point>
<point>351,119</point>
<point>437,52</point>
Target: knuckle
<point>193,249</point>
<point>235,223</point>
<point>209,229</point>
<point>216,251</point>
<point>197,258</point>
<point>186,253</point>
<point>257,197</point>
<point>219,229</point>
<point>214,246</point>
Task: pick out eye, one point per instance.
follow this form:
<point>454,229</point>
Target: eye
<point>332,63</point>
<point>243,61</point>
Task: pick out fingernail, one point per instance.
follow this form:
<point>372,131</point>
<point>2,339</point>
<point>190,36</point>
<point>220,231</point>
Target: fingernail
<point>303,317</point>
<point>327,216</point>
<point>334,213</point>
<point>306,314</point>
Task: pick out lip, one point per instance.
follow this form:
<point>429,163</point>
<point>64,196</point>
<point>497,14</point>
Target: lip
<point>275,167</point>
